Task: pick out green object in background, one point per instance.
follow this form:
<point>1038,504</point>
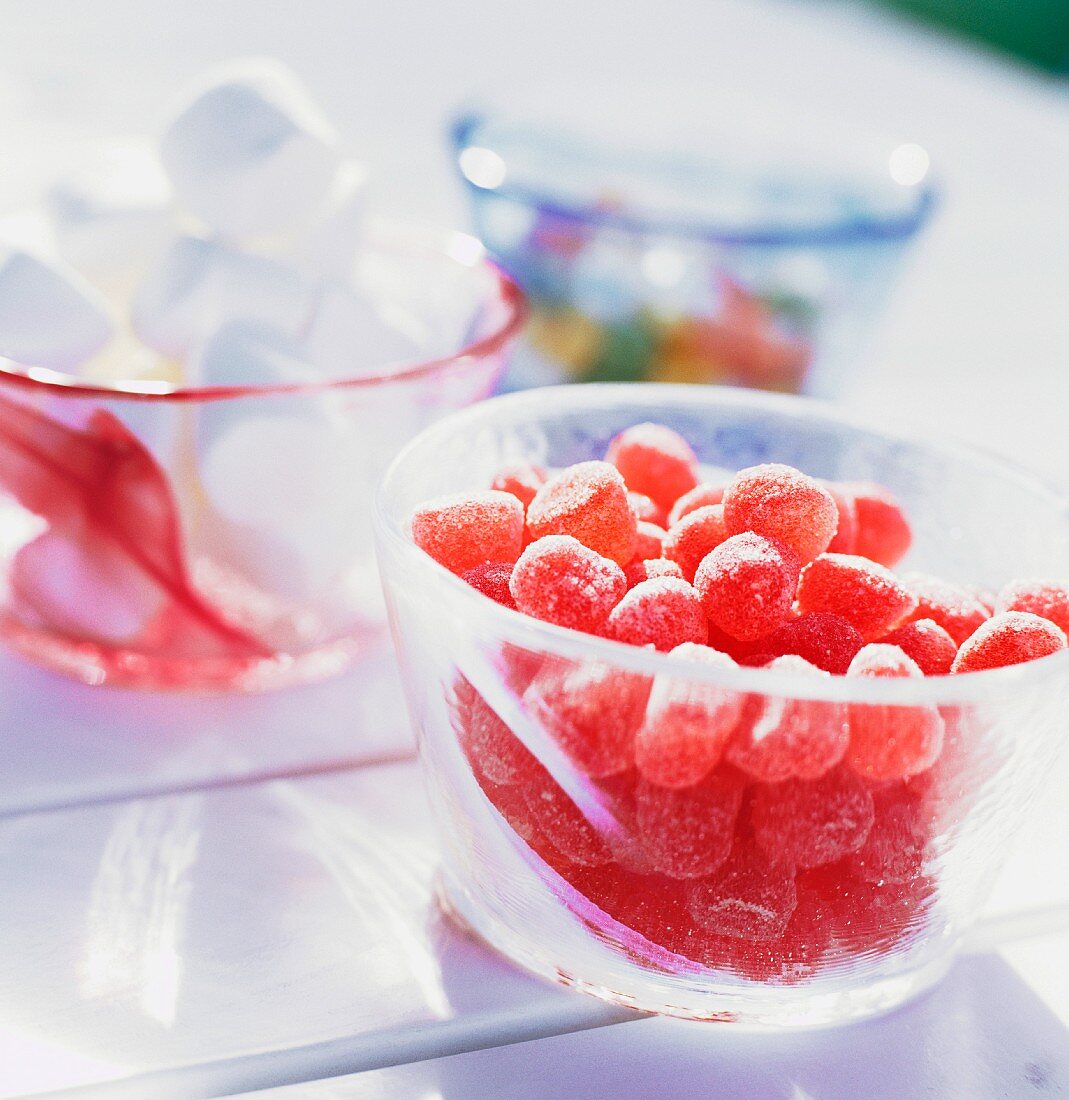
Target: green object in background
<point>626,353</point>
<point>1035,30</point>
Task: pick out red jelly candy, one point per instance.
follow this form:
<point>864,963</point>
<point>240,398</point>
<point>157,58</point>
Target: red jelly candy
<point>563,823</point>
<point>815,821</point>
<point>694,536</point>
<point>894,849</point>
<point>925,643</point>
<point>867,595</point>
<point>638,571</point>
<point>655,461</point>
<point>687,724</point>
<point>491,747</point>
<point>559,580</point>
<point>747,584</point>
<point>1009,638</point>
<point>845,538</point>
<point>593,712</point>
<point>589,502</point>
<point>883,533</point>
<point>782,503</point>
<point>492,579</point>
<point>1047,599</point>
<point>891,741</point>
<point>646,511</point>
<point>470,529</point>
<point>664,613</point>
<point>827,641</point>
<point>687,833</point>
<point>649,541</point>
<point>702,495</point>
<point>522,480</point>
<point>784,738</point>
<point>954,608</point>
<point>751,898</point>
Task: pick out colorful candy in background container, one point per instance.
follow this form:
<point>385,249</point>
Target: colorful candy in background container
<point>740,759</point>
<point>761,269</point>
<point>210,359</point>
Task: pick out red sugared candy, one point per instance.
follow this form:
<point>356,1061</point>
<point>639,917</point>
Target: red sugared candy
<point>1047,599</point>
<point>825,640</point>
<point>1009,638</point>
<point>559,580</point>
<point>751,898</point>
<point>867,595</point>
<point>883,534</point>
<point>891,741</point>
<point>894,849</point>
<point>783,503</point>
<point>664,613</point>
<point>694,536</point>
<point>781,737</point>
<point>638,571</point>
<point>953,607</point>
<point>490,746</point>
<point>687,723</point>
<point>646,511</point>
<point>702,495</point>
<point>470,529</point>
<point>521,480</point>
<point>589,502</point>
<point>747,584</point>
<point>563,823</point>
<point>654,461</point>
<point>592,710</point>
<point>492,579</point>
<point>649,541</point>
<point>927,644</point>
<point>687,833</point>
<point>845,539</point>
<point>812,822</point>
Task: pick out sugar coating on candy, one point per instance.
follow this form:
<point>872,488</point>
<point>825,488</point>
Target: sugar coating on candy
<point>469,529</point>
<point>827,641</point>
<point>883,532</point>
<point>811,822</point>
<point>688,833</point>
<point>868,596</point>
<point>646,511</point>
<point>747,584</point>
<point>782,503</point>
<point>751,898</point>
<point>664,612</point>
<point>1009,638</point>
<point>888,741</point>
<point>559,580</point>
<point>589,502</point>
<point>989,600</point>
<point>493,749</point>
<point>701,496</point>
<point>564,824</point>
<point>687,724</point>
<point>649,541</point>
<point>844,540</point>
<point>522,480</point>
<point>638,571</point>
<point>953,607</point>
<point>694,536</point>
<point>492,579</point>
<point>655,461</point>
<point>894,849</point>
<point>592,711</point>
<point>927,644</point>
<point>781,737</point>
<point>1047,599</point>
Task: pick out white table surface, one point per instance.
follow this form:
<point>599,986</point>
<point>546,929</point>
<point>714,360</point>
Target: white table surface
<point>208,898</point>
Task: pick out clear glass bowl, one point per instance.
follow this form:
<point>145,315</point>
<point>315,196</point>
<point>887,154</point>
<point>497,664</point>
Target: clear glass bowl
<point>585,874</point>
<point>220,538</point>
<point>761,260</point>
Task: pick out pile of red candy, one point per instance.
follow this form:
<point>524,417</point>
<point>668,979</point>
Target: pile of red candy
<point>766,834</point>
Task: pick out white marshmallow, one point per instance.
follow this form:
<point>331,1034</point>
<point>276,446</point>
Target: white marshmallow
<point>199,285</point>
<point>112,219</point>
<point>330,245</point>
<point>348,335</point>
<point>49,315</point>
<point>247,353</point>
<point>250,153</point>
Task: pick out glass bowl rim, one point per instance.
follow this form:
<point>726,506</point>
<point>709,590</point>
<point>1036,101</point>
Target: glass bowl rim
<point>461,249</point>
<point>495,622</point>
<point>832,232</point>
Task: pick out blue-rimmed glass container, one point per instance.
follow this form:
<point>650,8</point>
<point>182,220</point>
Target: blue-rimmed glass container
<point>759,258</point>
